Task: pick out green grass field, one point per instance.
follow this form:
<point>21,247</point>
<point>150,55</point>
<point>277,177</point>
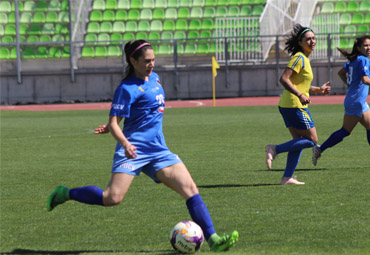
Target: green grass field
<point>223,148</point>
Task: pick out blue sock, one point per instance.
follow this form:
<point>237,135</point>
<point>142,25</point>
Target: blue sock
<point>292,162</point>
<point>200,215</point>
<point>335,138</point>
<point>91,195</point>
<point>368,136</point>
<point>296,144</point>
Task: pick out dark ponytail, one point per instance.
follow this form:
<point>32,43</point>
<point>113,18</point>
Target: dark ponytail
<point>354,54</point>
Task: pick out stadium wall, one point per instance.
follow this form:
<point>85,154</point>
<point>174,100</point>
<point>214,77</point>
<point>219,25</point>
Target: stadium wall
<point>48,81</point>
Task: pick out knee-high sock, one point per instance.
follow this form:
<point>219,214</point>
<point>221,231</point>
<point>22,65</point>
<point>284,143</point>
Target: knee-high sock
<point>368,136</point>
<point>292,162</point>
<point>334,139</point>
<point>200,215</point>
<point>91,195</point>
<point>296,144</point>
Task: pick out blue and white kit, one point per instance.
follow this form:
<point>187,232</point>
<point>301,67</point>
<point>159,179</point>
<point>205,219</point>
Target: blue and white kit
<point>142,105</point>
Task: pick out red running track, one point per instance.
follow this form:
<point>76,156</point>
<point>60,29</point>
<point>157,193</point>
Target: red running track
<point>244,101</point>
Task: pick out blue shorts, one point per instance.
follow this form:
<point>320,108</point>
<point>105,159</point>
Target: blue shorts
<point>356,109</point>
<point>298,118</point>
<point>148,164</point>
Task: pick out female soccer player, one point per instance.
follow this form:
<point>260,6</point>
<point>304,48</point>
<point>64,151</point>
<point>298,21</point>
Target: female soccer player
<point>141,147</point>
<point>355,73</point>
<point>296,80</point>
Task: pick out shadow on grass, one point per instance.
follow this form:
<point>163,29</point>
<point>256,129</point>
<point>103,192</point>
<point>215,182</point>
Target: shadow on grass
<point>235,185</point>
<point>27,251</point>
<point>297,170</point>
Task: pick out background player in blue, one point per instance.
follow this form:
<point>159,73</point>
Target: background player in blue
<point>356,74</point>
<point>141,147</point>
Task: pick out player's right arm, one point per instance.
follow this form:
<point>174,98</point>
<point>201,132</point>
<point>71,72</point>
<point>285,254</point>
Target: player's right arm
<point>115,129</point>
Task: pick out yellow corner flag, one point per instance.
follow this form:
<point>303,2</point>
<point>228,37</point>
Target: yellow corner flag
<point>215,66</point>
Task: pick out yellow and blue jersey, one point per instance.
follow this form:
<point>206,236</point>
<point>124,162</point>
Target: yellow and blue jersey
<point>301,79</point>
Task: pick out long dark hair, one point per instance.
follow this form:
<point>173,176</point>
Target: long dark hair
<point>354,54</point>
<point>134,49</point>
<point>292,46</point>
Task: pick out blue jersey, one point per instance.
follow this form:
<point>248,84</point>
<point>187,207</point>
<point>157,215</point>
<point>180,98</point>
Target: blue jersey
<point>141,103</point>
<point>357,92</point>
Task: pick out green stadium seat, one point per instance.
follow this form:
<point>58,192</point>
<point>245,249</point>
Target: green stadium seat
<point>181,25</point>
<point>193,35</point>
<point>183,13</point>
<point>34,29</point>
<point>23,29</point>
<point>48,29</point>
<point>170,13</point>
<point>121,15</point>
<point>190,48</point>
<point>61,29</point>
<point>111,5</point>
<point>198,3</point>
<point>205,35</point>
<point>38,17</point>
<point>154,37</point>
<point>3,18</point>
<point>167,35</point>
<point>340,7</point>
<point>28,53</point>
<point>131,26</point>
<point>160,4</point>
<point>109,15</point>
<point>103,38</point>
<point>114,51</point>
<point>88,52</point>
<point>367,18</point>
<point>156,25</point>
<point>221,12</point>
<point>11,17</point>
<point>41,5</point>
<point>233,11</point>
<point>106,27</point>
<point>93,27</point>
<point>353,7</point>
<point>203,48</point>
<point>57,38</point>
<point>185,3</point>
<point>118,27</point>
<point>245,11</point>
<point>194,24</point>
<point>52,17</point>
<point>133,15</point>
<point>54,52</point>
<point>165,49</point>
<point>209,12</point>
<point>116,38</point>
<point>45,38</point>
<point>211,3</point>
<point>257,10</point>
<point>2,30</point>
<point>179,35</point>
<point>141,36</point>
<point>234,2</point>
<point>54,5</point>
<point>4,53</point>
<point>25,17</point>
<point>358,18</point>
<point>13,53</point>
<point>29,6</point>
<point>327,7</point>
<point>63,17</point>
<point>208,24</point>
<point>343,43</point>
<point>196,12</point>
<point>365,6</point>
<point>168,25</point>
<point>146,14</point>
<point>172,4</point>
<point>148,4</point>
<point>143,26</point>
<point>350,30</point>
<point>363,28</point>
<point>345,19</point>
<point>5,6</point>
<point>96,16</point>
<point>33,38</point>
<point>91,39</point>
<point>98,5</point>
<point>20,6</point>
<point>158,14</point>
<point>222,2</point>
<point>65,5</point>
<point>7,39</point>
<point>128,36</point>
<point>123,4</point>
<point>136,4</point>
<point>42,52</point>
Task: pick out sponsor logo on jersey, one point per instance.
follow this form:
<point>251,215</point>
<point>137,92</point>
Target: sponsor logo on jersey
<point>141,89</point>
<point>161,109</point>
<point>118,106</point>
<point>128,166</point>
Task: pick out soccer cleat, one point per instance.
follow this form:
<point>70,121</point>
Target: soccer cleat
<point>316,154</point>
<point>225,242</point>
<point>59,196</point>
<point>270,155</point>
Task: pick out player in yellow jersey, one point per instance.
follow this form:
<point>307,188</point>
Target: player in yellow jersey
<point>296,80</point>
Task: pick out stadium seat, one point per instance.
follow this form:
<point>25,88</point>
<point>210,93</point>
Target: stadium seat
<point>116,38</point>
<point>156,25</point>
<point>233,11</point>
<point>367,18</point>
<point>91,39</point>
<point>38,17</point>
<point>121,15</point>
<point>222,2</point>
<point>343,43</point>
<point>327,7</point>
<point>11,17</point>
<point>54,52</point>
<point>172,4</point>
<point>221,12</point>
<point>190,48</point>
<point>128,36</point>
<point>136,4</point>
<point>65,5</point>
<point>96,16</point>
<point>349,30</point>
<point>203,48</point>
<point>114,51</point>
<point>165,49</point>
<point>146,14</point>
<point>28,53</point>
<point>66,52</point>
<point>198,3</point>
<point>4,53</point>
<point>118,27</point>
<point>61,29</point>
<point>93,27</point>
<point>41,5</point>
<point>340,7</point>
<point>170,13</point>
<point>141,36</point>
<point>158,14</point>
<point>209,12</point>
<point>133,15</point>
<point>34,29</point>
<point>5,6</point>
<point>205,35</point>
<point>193,36</point>
<point>234,2</point>
<point>186,3</point>
<point>257,10</point>
<point>52,17</point>
<point>20,6</point>
<point>29,6</point>
<point>7,39</point>
<point>194,24</point>
<point>358,18</point>
<point>167,36</point>
<point>143,26</point>
<point>160,4</point>
<point>54,5</point>
<point>1,30</point>
<point>48,29</point>
<point>131,26</point>
<point>101,52</point>
<point>33,38</point>
<point>23,29</point>
<point>88,52</point>
<point>208,24</point>
<point>196,12</point>
<point>111,5</point>
<point>154,37</point>
<point>42,52</point>
<point>63,17</point>
<point>57,38</point>
<point>363,28</point>
<point>353,7</point>
<point>103,38</point>
<point>181,25</point>
<point>148,4</point>
<point>123,4</point>
<point>13,53</point>
<point>109,15</point>
<point>345,19</point>
<point>211,3</point>
<point>98,5</point>
<point>183,13</point>
<point>365,6</point>
<point>168,25</point>
<point>106,27</point>
<point>245,11</point>
<point>3,18</point>
<point>45,38</point>
<point>179,35</point>
<point>26,17</point>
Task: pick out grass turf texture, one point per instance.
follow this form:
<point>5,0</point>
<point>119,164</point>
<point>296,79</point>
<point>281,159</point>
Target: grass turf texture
<point>224,151</point>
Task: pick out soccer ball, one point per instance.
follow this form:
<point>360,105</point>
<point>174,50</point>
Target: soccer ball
<point>186,237</point>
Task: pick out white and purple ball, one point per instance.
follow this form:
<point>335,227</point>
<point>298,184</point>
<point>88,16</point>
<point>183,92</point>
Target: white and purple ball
<point>186,237</point>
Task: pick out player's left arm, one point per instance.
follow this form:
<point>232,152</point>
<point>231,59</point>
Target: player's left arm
<point>323,89</point>
<point>102,129</point>
<point>365,80</point>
